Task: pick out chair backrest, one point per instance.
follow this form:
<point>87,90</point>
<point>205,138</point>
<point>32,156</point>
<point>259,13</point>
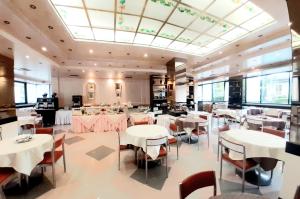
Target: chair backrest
<point>157,141</point>
<point>278,133</point>
<point>141,122</point>
<point>59,142</point>
<point>297,194</point>
<point>232,146</point>
<point>197,181</point>
<point>48,131</point>
<point>27,126</point>
<point>223,128</point>
<point>173,127</point>
<point>203,117</point>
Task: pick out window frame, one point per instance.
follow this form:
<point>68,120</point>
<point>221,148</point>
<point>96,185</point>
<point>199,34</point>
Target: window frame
<point>212,91</point>
<point>25,92</point>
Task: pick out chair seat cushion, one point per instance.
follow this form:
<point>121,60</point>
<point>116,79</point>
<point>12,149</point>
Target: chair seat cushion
<point>198,132</point>
<point>5,173</point>
<point>48,159</point>
<point>172,140</point>
<point>239,163</point>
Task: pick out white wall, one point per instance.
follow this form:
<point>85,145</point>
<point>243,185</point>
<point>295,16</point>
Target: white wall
<point>136,91</point>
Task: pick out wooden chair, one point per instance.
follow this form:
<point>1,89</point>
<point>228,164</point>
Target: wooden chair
<point>140,123</point>
<point>6,175</point>
<point>244,165</point>
<point>120,148</point>
<point>197,181</point>
<point>50,158</point>
<point>48,131</point>
<point>163,152</point>
<point>221,129</point>
<point>174,140</point>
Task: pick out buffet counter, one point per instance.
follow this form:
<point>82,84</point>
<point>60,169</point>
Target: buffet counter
<point>99,123</point>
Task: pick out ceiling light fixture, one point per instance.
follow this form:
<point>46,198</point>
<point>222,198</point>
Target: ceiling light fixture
<point>32,6</point>
<point>95,64</point>
<point>290,23</point>
<point>27,37</point>
<point>91,51</point>
<point>44,49</point>
<point>83,71</point>
<point>27,56</point>
<point>220,52</point>
<point>6,22</point>
<point>50,27</point>
<point>145,55</point>
<point>62,41</point>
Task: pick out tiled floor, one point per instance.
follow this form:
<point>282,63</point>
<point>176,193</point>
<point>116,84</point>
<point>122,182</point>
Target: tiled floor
<point>92,172</point>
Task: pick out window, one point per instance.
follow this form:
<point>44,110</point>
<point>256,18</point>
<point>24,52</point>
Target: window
<point>253,90</point>
<point>218,91</point>
<point>268,89</point>
<point>207,92</point>
<point>20,95</point>
<point>27,93</point>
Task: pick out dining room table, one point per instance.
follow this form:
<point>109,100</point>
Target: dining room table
<point>260,146</point>
<point>257,122</point>
<point>137,136</point>
<point>24,156</point>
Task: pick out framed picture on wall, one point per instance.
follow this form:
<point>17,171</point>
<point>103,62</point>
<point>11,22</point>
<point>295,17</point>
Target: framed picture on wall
<point>91,87</point>
<point>91,95</point>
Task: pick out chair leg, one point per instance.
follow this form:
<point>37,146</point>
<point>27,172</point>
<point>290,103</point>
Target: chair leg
<point>2,196</point>
<point>167,166</point>
<point>221,168</point>
<point>65,167</point>
<point>146,170</point>
<point>258,179</point>
<point>243,183</point>
<point>282,167</point>
<point>119,156</point>
<point>53,176</point>
<point>207,139</point>
<point>177,149</point>
<point>198,143</point>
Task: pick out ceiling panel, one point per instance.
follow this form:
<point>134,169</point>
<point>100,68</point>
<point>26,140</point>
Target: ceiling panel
<point>258,21</point>
<point>108,5</point>
<point>183,16</point>
<point>216,44</point>
<point>143,39</point>
<point>201,5</point>
<point>73,16</point>
<point>81,32</point>
<point>76,3</point>
<point>187,36</point>
<point>220,28</point>
<point>219,9</point>
<point>161,42</point>
<point>104,34</point>
<point>234,34</point>
<point>244,13</point>
<point>127,22</point>
<point>203,40</point>
<point>149,26</point>
<point>203,22</point>
<point>159,9</point>
<point>176,45</point>
<point>169,31</point>
<point>130,6</point>
<point>122,36</point>
<point>101,19</point>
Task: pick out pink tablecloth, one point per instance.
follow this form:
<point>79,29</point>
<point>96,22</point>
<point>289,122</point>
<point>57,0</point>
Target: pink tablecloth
<point>99,123</point>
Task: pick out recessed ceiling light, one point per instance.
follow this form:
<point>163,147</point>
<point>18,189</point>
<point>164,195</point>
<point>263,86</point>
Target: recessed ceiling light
<point>290,23</point>
<point>63,62</point>
<point>237,45</point>
<point>40,63</point>
<point>54,56</point>
<point>253,68</point>
<point>50,27</point>
<point>294,57</point>
<point>27,37</point>
<point>32,6</point>
<point>128,54</point>
<point>9,48</point>
<point>44,49</point>
<point>70,49</point>
<point>162,57</point>
<point>79,63</point>
<point>109,53</point>
<point>83,71</point>
<point>62,41</point>
<point>91,51</point>
<point>6,22</point>
<point>27,56</point>
<point>260,35</point>
<point>95,64</point>
<point>145,55</point>
<point>220,52</point>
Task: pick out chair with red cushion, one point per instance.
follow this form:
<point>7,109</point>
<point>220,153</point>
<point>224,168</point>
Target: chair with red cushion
<point>120,148</point>
<point>48,131</point>
<point>163,152</point>
<point>6,175</point>
<point>50,158</point>
<point>197,181</point>
<point>201,130</point>
<point>221,129</point>
<point>140,122</point>
<point>174,140</point>
<point>244,165</point>
<point>273,131</point>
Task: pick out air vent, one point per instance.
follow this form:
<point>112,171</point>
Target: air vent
<point>73,75</point>
<point>23,69</point>
<point>128,77</point>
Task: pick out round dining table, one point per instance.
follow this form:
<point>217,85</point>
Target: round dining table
<point>255,122</point>
<point>238,196</point>
<point>258,145</point>
<point>24,157</point>
<point>137,136</point>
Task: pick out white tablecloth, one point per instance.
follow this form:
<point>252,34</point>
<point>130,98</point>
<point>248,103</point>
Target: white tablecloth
<point>266,121</point>
<point>63,117</point>
<point>22,120</point>
<point>232,113</point>
<point>138,117</point>
<point>137,135</point>
<point>24,157</point>
<point>257,144</point>
<point>198,113</point>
